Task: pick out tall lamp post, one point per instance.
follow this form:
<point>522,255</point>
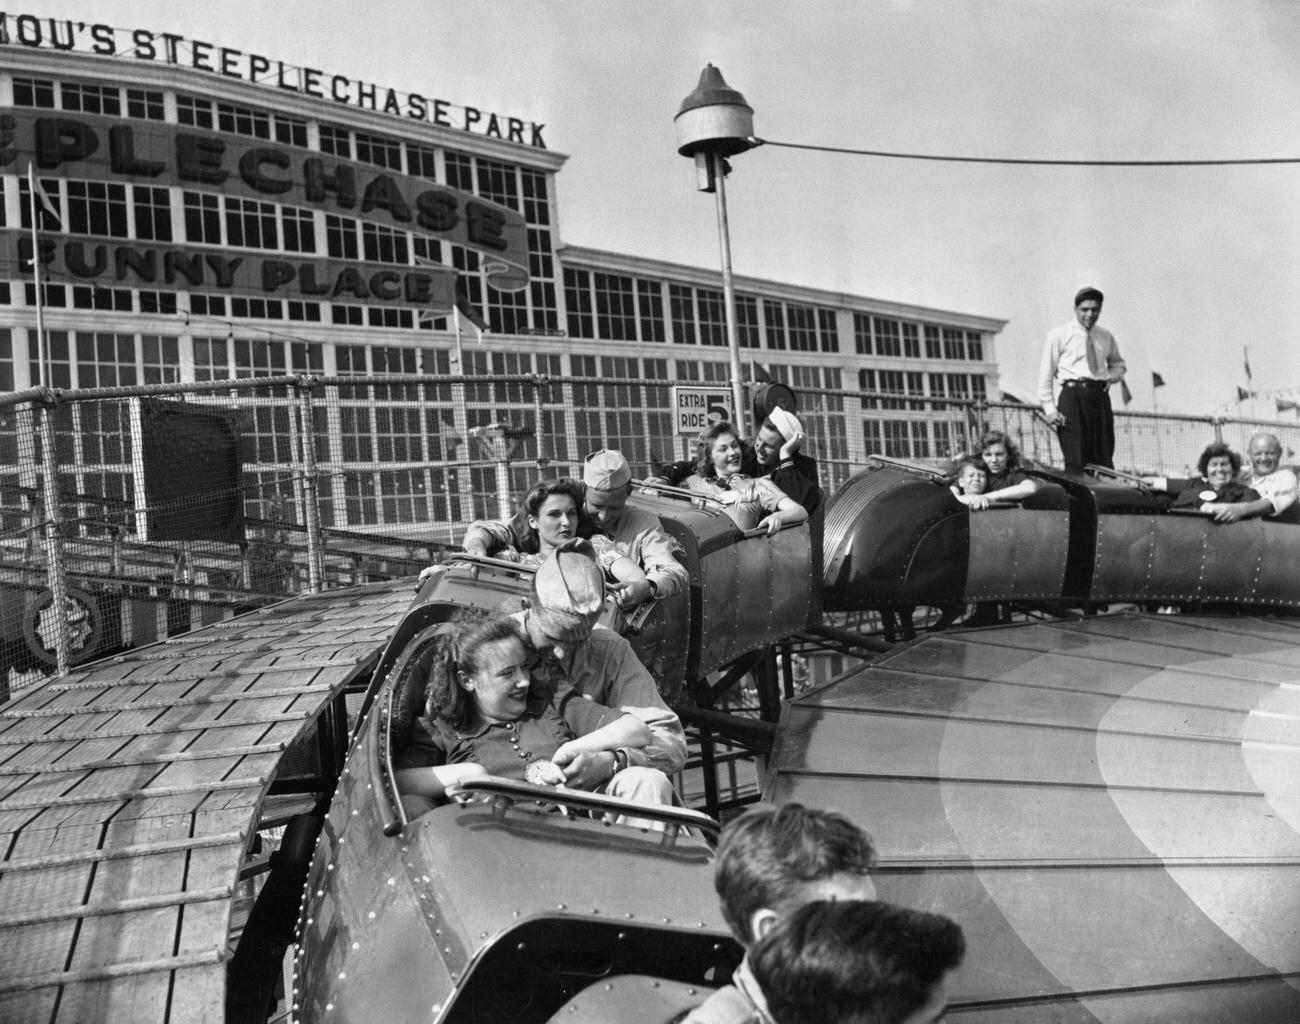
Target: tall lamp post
<point>715,122</point>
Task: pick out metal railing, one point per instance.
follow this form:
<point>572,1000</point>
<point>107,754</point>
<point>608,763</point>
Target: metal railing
<point>133,513</point>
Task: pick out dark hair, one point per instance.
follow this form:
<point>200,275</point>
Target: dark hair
<point>1084,294</point>
<point>768,854</point>
<point>1214,449</point>
<point>704,448</point>
<point>830,962</point>
<point>533,500</point>
<point>969,460</point>
<point>471,630</point>
<point>1000,437</point>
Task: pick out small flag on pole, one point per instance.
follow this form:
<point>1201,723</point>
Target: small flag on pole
<point>1245,355</point>
<point>43,197</point>
<point>1242,394</point>
<point>465,308</point>
<point>1283,404</point>
<point>759,374</point>
<point>1157,381</point>
<point>1124,392</point>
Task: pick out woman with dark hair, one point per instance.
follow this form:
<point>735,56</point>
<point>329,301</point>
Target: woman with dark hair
<point>484,716</point>
<point>1007,481</point>
<point>720,473</point>
<point>1218,466</point>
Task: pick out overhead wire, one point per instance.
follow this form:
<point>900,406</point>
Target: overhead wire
<point>1027,161</point>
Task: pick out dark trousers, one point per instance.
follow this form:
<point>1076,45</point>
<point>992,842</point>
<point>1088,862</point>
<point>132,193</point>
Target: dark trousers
<point>1089,432</point>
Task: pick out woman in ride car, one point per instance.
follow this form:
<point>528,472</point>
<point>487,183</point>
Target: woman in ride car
<point>1218,466</point>
<point>719,474</point>
<point>484,716</point>
<point>1007,481</point>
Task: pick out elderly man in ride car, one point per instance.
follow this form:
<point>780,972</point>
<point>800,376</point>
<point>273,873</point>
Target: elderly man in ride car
<point>1276,486</point>
<point>559,621</point>
<point>608,481</point>
<point>776,446</point>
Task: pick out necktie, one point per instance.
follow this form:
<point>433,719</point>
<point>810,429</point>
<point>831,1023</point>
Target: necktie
<point>1093,368</point>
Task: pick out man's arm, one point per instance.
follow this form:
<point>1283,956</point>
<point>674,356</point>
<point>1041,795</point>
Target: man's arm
<point>1115,365</point>
<point>1047,378</point>
<point>657,553</point>
<point>632,689</point>
<point>486,536</point>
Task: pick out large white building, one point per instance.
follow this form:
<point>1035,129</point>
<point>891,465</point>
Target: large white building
<point>221,214</point>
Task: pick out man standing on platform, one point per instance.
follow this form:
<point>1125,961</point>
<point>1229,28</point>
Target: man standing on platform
<point>1080,362</point>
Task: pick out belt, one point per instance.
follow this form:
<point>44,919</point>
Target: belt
<point>1085,382</point>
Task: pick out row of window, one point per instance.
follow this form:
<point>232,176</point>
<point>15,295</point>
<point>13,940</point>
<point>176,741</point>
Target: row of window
<point>619,307</point>
<point>885,336</point>
<point>907,389</point>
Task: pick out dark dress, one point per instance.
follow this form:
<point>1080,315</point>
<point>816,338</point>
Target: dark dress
<point>1195,495</point>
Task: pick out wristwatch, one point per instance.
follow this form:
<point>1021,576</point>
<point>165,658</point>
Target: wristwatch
<point>620,759</point>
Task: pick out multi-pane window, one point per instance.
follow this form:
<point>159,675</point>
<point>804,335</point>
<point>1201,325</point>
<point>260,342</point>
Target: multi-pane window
<point>157,302</point>
<point>577,297</point>
<point>299,229</point>
<point>243,120</point>
<point>954,343</point>
<point>681,307</point>
<point>34,92</point>
<point>774,320</point>
<point>827,330</point>
<point>974,346</point>
<point>933,346</point>
<point>290,130</point>
<point>382,244</point>
<point>194,111</point>
<point>911,341</point>
<point>251,223</point>
<point>247,307</point>
<point>498,182</point>
<point>862,334</point>
<point>713,317</point>
<point>379,150</point>
<point>335,141</point>
<point>341,237</point>
<point>615,315</point>
<point>211,359</point>
<point>650,308</point>
<point>146,104</point>
<point>259,358</point>
<point>889,340</point>
<point>421,161</point>
<point>802,324</point>
<point>153,213</point>
<point>202,217</point>
<point>537,209</point>
<point>91,99</point>
<point>97,208</point>
<point>160,357</point>
<point>460,170</point>
<point>507,312</point>
<point>94,297</point>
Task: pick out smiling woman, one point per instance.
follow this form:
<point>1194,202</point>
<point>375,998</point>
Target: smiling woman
<point>719,460</point>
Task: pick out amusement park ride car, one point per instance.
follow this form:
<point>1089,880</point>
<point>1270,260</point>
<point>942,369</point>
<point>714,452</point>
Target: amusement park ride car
<point>1106,803</point>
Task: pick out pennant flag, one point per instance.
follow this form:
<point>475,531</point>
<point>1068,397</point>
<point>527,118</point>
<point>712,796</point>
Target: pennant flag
<point>1124,392</point>
<point>1245,355</point>
<point>1242,394</point>
<point>1283,404</point>
<point>759,375</point>
<point>465,308</point>
<point>43,197</point>
<point>1157,381</point>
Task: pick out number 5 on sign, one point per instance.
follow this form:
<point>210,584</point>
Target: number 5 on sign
<point>698,409</point>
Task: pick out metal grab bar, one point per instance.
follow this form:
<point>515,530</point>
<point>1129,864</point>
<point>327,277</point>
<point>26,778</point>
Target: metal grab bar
<point>504,793</point>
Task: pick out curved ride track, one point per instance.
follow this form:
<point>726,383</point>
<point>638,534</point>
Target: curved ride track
<point>130,790</point>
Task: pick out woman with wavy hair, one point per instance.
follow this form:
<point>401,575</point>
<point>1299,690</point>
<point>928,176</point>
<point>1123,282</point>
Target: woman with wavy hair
<point>721,473</point>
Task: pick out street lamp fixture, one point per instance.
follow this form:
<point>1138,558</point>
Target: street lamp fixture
<point>715,122</point>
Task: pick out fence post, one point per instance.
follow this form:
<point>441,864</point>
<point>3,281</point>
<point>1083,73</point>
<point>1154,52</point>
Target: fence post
<point>311,504</point>
<point>54,534</point>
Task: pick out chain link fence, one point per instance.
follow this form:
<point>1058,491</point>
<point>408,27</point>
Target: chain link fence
<point>135,513</point>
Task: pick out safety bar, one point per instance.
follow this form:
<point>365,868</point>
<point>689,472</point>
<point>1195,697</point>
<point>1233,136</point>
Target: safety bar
<point>505,793</point>
<point>1105,472</point>
<point>907,467</point>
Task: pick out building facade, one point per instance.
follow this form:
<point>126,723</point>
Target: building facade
<point>206,213</point>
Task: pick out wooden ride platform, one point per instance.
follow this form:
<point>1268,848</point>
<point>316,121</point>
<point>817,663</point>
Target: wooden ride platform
<point>1110,808</point>
<point>130,791</point>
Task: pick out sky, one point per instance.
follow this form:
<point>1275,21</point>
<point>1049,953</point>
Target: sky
<point>1197,263</point>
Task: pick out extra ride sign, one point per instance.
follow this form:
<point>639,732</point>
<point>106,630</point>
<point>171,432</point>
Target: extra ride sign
<point>698,409</point>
